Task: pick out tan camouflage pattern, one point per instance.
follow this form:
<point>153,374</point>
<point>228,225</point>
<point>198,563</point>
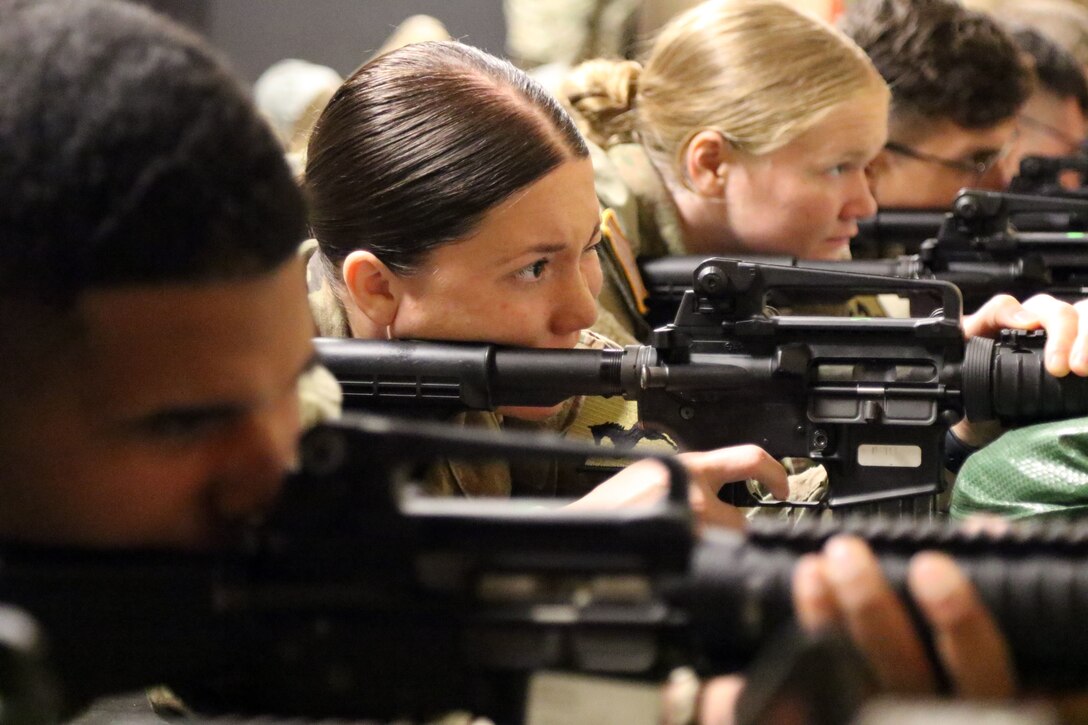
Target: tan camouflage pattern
<point>320,398</point>
<point>628,183</point>
<point>566,32</point>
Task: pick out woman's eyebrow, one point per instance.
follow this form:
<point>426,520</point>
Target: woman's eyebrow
<point>853,156</point>
<point>538,249</point>
<point>545,248</point>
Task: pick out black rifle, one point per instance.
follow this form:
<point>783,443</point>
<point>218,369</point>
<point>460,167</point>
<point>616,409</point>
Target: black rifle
<point>976,247</point>
<point>1042,175</point>
<point>357,598</point>
<point>871,399</point>
<point>892,232</point>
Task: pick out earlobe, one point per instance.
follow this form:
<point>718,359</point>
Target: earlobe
<point>372,286</point>
<point>708,160</point>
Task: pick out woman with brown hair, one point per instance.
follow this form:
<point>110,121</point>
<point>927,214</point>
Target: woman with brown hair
<point>452,199</point>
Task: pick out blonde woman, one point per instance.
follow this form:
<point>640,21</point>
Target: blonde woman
<point>748,129</point>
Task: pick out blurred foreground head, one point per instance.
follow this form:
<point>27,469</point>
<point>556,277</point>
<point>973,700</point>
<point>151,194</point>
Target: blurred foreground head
<point>152,315</point>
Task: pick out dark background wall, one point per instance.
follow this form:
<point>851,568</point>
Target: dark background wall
<point>339,33</point>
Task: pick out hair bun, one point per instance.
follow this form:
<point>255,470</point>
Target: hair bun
<point>602,95</point>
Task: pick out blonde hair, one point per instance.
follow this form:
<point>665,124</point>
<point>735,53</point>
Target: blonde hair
<point>758,71</point>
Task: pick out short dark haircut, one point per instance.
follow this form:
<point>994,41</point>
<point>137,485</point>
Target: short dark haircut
<point>1056,70</point>
<point>420,143</point>
<point>941,61</point>
<point>129,156</point>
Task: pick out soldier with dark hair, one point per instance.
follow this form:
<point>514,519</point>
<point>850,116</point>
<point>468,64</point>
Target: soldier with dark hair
<point>1052,122</point>
<point>958,82</point>
<point>152,324</point>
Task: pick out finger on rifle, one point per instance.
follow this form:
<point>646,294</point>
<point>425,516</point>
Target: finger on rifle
<point>875,618</point>
<point>1062,327</point>
<point>709,510</point>
<point>986,524</point>
<point>718,700</point>
<point>1078,358</point>
<point>641,483</point>
<point>814,604</point>
<point>712,469</point>
<point>968,642</point>
<point>1001,311</point>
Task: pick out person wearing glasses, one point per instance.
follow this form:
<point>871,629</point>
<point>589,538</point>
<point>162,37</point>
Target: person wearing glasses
<point>958,82</point>
<point>174,446</point>
<point>1052,122</point>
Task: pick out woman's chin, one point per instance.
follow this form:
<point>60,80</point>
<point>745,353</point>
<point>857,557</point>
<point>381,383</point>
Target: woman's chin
<point>533,413</point>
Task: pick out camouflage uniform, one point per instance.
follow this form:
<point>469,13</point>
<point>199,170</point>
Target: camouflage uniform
<point>606,421</point>
<point>566,32</point>
<point>640,221</point>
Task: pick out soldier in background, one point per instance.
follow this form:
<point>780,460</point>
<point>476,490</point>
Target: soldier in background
<point>1052,121</point>
<point>290,95</point>
<point>958,82</point>
<point>564,33</point>
<point>155,325</point>
<point>549,37</point>
<point>1063,21</point>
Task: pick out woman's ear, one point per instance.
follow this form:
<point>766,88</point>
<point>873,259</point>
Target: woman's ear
<point>373,287</point>
<point>708,159</point>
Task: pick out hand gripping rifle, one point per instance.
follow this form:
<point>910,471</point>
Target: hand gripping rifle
<point>356,598</point>
<point>981,247</point>
<point>871,399</point>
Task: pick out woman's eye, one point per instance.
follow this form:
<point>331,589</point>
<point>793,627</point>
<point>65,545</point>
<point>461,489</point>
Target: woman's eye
<point>838,170</point>
<point>532,272</point>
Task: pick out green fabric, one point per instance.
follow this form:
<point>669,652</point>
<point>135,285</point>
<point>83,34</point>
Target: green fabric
<point>656,230</point>
<point>1036,472</point>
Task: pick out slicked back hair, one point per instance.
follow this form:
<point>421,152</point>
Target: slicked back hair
<point>419,144</point>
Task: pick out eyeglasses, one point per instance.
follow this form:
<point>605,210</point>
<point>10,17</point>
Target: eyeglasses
<point>1073,145</point>
<point>978,166</point>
